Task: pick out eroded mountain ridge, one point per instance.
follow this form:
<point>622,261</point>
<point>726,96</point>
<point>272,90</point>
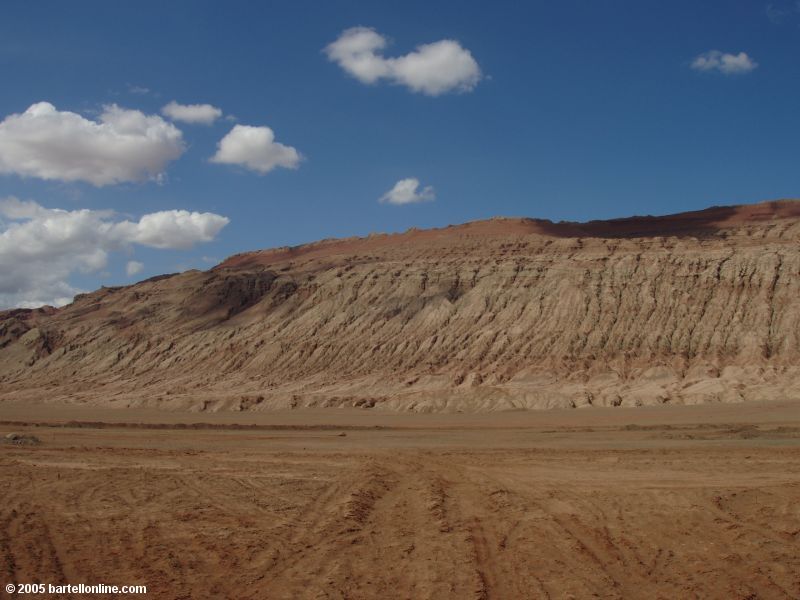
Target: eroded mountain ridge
<point>497,314</point>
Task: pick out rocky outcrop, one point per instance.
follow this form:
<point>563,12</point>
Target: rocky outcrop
<point>506,313</point>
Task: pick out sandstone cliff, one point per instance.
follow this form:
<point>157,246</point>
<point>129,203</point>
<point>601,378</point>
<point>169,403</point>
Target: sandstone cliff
<point>498,314</point>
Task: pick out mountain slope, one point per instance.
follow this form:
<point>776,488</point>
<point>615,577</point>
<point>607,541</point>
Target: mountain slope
<point>497,314</point>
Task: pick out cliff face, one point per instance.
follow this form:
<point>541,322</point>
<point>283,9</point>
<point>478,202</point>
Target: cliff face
<point>489,315</point>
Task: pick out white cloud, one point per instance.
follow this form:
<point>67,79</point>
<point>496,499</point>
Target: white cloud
<point>432,69</point>
<point>255,148</point>
<point>41,247</point>
<point>202,114</point>
<point>356,51</point>
<point>406,191</point>
<point>133,267</point>
<point>724,62</point>
<point>171,229</point>
<point>124,145</point>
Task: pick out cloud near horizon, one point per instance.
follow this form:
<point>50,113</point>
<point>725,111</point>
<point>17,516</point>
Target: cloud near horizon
<point>41,247</point>
<point>197,114</point>
<point>255,148</point>
<point>406,191</point>
<point>432,69</point>
<point>121,146</point>
<point>133,267</point>
<point>724,62</point>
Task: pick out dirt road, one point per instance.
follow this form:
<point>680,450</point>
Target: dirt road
<point>618,511</point>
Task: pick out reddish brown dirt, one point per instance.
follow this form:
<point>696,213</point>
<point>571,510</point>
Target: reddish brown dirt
<point>656,507</point>
<point>707,221</point>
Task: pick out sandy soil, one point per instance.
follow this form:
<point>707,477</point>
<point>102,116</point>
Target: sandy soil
<point>677,502</point>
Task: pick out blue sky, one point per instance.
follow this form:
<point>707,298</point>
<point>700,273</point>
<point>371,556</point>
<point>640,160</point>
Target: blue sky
<point>582,110</point>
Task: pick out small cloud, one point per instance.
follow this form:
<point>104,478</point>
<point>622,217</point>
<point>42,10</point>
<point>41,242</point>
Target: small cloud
<point>777,14</point>
<point>724,62</point>
<point>138,90</point>
<point>171,229</point>
<point>133,267</point>
<point>255,148</point>
<point>432,69</point>
<point>406,191</point>
<point>201,114</point>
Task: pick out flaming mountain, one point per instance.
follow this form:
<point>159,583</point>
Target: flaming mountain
<point>490,315</point>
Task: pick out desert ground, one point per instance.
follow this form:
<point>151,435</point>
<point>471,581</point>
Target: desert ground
<point>652,502</point>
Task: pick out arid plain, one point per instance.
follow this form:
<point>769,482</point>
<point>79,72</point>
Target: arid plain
<point>651,502</point>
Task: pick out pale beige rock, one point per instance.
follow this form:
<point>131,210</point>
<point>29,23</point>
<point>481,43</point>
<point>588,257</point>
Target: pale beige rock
<point>491,315</point>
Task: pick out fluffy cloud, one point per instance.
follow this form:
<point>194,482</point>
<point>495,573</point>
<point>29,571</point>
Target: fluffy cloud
<point>432,69</point>
<point>171,229</point>
<point>41,247</point>
<point>729,64</point>
<point>123,145</point>
<point>133,267</point>
<point>255,148</point>
<point>406,191</point>
<point>202,114</point>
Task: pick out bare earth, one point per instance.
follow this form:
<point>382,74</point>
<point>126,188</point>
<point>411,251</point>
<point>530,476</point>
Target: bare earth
<point>661,502</point>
